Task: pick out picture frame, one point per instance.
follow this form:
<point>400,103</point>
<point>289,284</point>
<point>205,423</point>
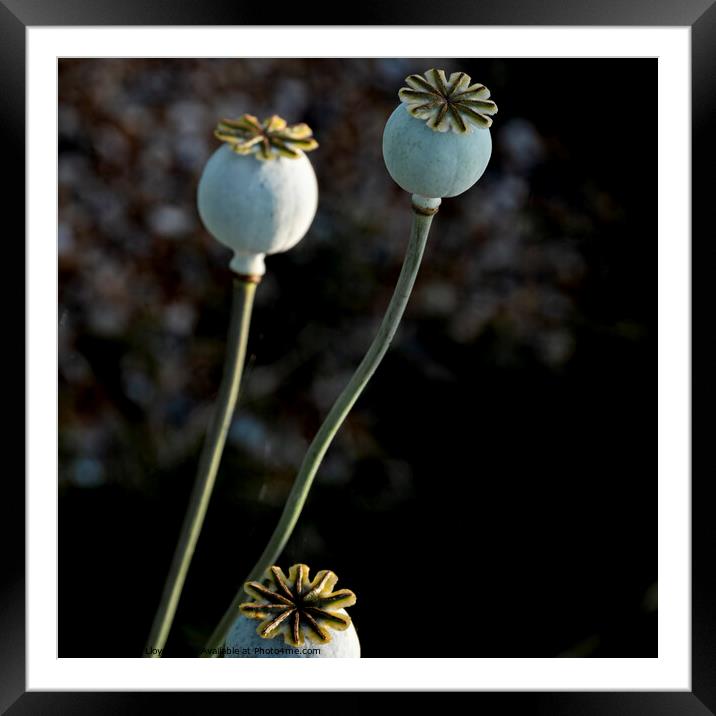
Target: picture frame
<point>700,15</point>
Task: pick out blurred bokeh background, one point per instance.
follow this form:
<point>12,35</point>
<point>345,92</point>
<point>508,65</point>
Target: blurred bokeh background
<point>520,480</point>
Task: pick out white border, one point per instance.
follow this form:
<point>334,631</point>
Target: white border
<point>671,670</point>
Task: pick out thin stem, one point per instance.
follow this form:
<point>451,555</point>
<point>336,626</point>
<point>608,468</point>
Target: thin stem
<point>312,460</point>
<point>242,302</point>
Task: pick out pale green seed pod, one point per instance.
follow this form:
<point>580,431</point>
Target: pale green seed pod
<point>244,643</point>
<point>258,192</point>
<point>437,141</point>
<point>294,616</point>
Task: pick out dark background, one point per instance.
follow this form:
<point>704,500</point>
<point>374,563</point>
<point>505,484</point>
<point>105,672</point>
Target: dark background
<point>493,492</point>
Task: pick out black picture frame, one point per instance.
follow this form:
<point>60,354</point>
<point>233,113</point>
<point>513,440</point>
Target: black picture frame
<point>17,15</point>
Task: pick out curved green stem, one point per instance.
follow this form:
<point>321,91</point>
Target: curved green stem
<point>423,215</point>
<point>242,302</point>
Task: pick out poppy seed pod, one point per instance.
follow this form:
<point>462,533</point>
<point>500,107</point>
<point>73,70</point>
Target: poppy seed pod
<point>258,192</point>
<point>244,643</point>
<point>299,618</point>
<point>437,141</point>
